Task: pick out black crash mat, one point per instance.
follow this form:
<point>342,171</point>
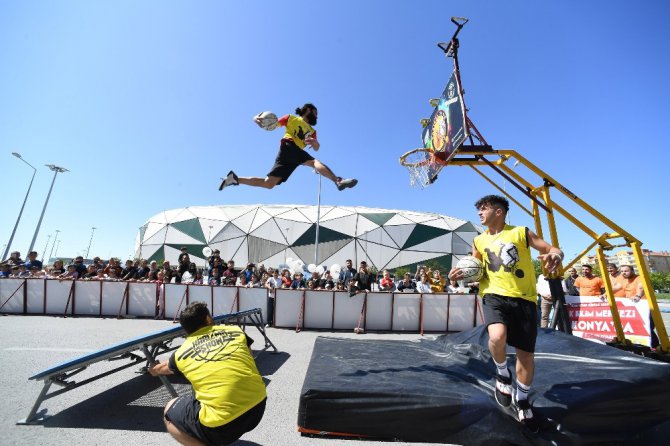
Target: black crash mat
<point>441,390</point>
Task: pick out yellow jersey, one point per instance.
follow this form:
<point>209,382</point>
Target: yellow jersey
<point>508,267</point>
<point>296,129</point>
<point>219,365</point>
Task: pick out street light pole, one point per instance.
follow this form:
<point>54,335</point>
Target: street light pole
<point>46,245</point>
<point>90,241</point>
<point>318,218</point>
<point>11,238</point>
<point>56,171</point>
<point>54,244</point>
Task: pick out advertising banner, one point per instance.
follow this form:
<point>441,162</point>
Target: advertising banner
<point>591,318</point>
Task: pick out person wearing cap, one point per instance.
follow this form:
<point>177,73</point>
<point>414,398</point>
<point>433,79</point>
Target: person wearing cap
<point>14,259</point>
<point>37,273</point>
<point>32,261</point>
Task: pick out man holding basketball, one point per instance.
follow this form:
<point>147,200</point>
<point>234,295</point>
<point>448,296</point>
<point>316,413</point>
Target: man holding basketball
<point>292,153</point>
<point>509,298</point>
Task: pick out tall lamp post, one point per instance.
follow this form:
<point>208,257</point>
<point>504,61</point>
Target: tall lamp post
<point>53,245</point>
<point>90,241</point>
<point>56,171</point>
<point>11,238</point>
<point>318,218</point>
<point>46,245</point>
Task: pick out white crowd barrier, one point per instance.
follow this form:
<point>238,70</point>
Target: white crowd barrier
<point>300,309</point>
<point>376,311</point>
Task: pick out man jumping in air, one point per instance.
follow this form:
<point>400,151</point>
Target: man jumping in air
<point>509,299</point>
<point>292,153</point>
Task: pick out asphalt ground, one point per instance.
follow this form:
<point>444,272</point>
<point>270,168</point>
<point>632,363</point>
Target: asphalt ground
<point>125,408</point>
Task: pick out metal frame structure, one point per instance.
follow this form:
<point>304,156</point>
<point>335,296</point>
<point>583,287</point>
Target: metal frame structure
<point>144,349</point>
<point>480,154</point>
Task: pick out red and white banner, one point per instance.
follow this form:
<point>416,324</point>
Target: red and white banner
<point>591,318</point>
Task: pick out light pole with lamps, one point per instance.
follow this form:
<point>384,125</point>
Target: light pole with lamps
<point>54,244</point>
<point>90,241</point>
<point>46,245</point>
<point>11,238</point>
<point>56,171</point>
<point>318,217</point>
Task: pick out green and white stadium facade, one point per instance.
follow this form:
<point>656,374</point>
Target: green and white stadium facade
<point>271,234</point>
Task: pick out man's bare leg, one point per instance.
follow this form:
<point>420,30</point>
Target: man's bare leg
<point>267,182</point>
<point>525,367</point>
<point>326,172</point>
<point>498,342</point>
<point>178,435</point>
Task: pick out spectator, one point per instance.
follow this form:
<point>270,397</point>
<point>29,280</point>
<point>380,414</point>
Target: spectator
<point>249,271</point>
<point>260,270</point>
<point>339,286</point>
<point>97,262</point>
<point>32,261</point>
<point>241,280</point>
<point>363,279</point>
<point>57,269</point>
<point>273,282</point>
<point>546,299</point>
<point>298,283</point>
<point>71,272</point>
<point>14,271</point>
<point>99,275</point>
<point>386,283</point>
<point>255,283</point>
<point>14,259</point>
<point>326,282</point>
<point>230,274</point>
<point>169,275</point>
<point>215,279</point>
<point>199,280</point>
<point>570,282</point>
<point>112,276</point>
<point>5,270</point>
<point>228,397</point>
<point>424,284</point>
<point>91,272</point>
<point>286,280</point>
<point>183,262</point>
<point>407,285</point>
<point>347,273</point>
<point>188,276</point>
<point>129,272</point>
<point>216,255</point>
<point>437,282</point>
<point>79,266</point>
<point>113,264</point>
<point>420,269</point>
<point>588,284</point>
<point>152,274</point>
<point>142,270</point>
<point>615,278</point>
<point>314,280</point>
<point>455,288</point>
<point>37,273</point>
<point>217,263</point>
<point>632,287</point>
<point>23,272</point>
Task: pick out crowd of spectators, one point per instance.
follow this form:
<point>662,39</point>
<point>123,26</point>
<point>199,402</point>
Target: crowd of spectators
<point>218,272</point>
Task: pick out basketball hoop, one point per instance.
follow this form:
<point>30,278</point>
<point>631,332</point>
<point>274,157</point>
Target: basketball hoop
<point>423,166</point>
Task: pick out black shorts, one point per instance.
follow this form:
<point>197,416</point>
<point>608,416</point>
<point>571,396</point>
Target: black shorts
<point>184,415</point>
<point>288,158</point>
<point>519,315</point>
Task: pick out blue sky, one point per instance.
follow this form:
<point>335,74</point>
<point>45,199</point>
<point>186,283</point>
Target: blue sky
<point>149,103</point>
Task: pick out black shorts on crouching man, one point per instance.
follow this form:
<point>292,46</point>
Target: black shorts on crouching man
<point>184,415</point>
<point>518,314</point>
<point>288,158</point>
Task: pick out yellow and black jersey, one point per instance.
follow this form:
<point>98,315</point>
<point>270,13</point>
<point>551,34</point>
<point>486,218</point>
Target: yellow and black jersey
<point>218,363</point>
<point>296,129</point>
<point>509,270</point>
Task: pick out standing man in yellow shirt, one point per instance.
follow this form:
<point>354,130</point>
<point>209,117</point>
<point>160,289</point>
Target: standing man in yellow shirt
<point>228,397</point>
<point>510,299</point>
<point>292,153</point>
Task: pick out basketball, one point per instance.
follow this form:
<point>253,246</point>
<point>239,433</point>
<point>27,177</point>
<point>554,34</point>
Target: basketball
<point>268,120</point>
<point>471,267</point>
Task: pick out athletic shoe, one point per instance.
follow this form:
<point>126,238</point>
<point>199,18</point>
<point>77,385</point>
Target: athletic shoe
<point>230,180</point>
<point>525,414</point>
<point>344,184</point>
<point>504,390</point>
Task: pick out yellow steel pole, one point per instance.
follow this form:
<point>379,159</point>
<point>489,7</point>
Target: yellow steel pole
<point>620,337</point>
<point>650,294</point>
<point>523,208</point>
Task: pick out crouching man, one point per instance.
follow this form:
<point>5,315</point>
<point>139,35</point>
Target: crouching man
<point>228,397</point>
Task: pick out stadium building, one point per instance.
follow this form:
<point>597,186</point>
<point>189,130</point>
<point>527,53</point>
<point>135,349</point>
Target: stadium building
<point>271,234</point>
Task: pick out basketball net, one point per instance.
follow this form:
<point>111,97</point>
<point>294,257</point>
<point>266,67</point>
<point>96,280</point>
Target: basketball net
<point>423,165</point>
